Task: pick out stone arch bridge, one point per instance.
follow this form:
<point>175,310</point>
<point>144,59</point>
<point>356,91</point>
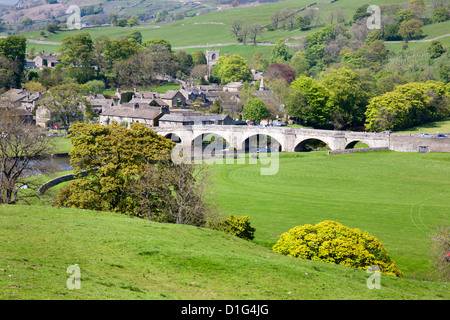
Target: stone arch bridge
<point>294,139</point>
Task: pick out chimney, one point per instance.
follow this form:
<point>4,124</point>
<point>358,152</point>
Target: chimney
<point>135,106</point>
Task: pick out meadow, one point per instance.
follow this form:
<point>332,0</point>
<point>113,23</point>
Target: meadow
<point>397,197</point>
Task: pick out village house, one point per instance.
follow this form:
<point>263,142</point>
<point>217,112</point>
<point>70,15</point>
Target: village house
<point>233,87</point>
<point>128,113</point>
<point>21,98</point>
<point>46,60</point>
<point>99,102</point>
<point>174,98</point>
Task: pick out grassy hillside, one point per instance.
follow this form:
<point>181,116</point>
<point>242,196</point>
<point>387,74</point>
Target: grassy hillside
<point>213,28</point>
<point>129,258</point>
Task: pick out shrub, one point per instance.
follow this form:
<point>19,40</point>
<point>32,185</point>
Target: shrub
<point>237,226</point>
<point>332,242</point>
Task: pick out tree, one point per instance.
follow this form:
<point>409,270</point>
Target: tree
<point>66,104</point>
<point>254,31</point>
<point>27,21</point>
<point>280,70</point>
<point>133,21</point>
<point>236,26</point>
<point>121,49</point>
<point>96,86</point>
<point>405,15</point>
<point>13,48</point>
<point>361,13</point>
<point>348,97</point>
<point>198,58</point>
<point>135,71</point>
<point>232,68</point>
<point>162,60</point>
<point>440,15</point>
<point>309,101</point>
<point>172,193</point>
<point>100,60</point>
<point>185,60</point>
<point>113,157</point>
<point>52,27</point>
<point>121,22</point>
<point>20,143</point>
<point>299,63</point>
<point>276,18</point>
<point>280,52</point>
<point>9,71</point>
<point>332,242</point>
<point>435,49</point>
<point>135,36</point>
<point>410,29</point>
<point>408,105</point>
<point>159,42</point>
<point>440,252</point>
<point>77,57</point>
<point>255,110</point>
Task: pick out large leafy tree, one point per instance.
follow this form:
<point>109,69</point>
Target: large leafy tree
<point>121,49</point>
<point>255,110</point>
<point>231,68</point>
<point>280,52</point>
<point>77,57</point>
<point>113,158</point>
<point>410,29</point>
<point>348,97</point>
<point>309,101</point>
<point>13,49</point>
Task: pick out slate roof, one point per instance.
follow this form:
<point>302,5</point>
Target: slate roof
<point>126,110</point>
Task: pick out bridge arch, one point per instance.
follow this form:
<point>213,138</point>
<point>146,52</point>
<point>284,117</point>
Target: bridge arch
<point>173,136</point>
<point>310,144</point>
<point>261,140</point>
<point>353,143</point>
<point>210,138</point>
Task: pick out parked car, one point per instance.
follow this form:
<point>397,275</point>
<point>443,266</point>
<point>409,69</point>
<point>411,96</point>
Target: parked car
<point>278,123</point>
<point>441,135</point>
<point>425,135</point>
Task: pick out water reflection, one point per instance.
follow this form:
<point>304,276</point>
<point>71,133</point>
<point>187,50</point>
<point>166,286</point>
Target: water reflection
<point>54,164</point>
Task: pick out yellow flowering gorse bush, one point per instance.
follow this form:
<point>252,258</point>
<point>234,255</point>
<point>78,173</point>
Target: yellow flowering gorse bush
<point>332,242</point>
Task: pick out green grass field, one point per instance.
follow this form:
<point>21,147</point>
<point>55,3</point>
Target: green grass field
<point>397,197</point>
<point>442,126</point>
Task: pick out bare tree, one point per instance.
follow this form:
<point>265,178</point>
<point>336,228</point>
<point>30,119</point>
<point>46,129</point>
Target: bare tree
<point>172,193</point>
<point>441,252</point>
<point>23,147</point>
<point>236,26</point>
<point>254,31</point>
<point>276,18</point>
